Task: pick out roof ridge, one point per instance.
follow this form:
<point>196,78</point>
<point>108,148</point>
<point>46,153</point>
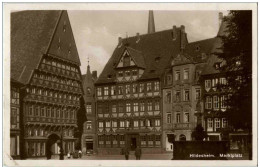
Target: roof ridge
<point>202,40</point>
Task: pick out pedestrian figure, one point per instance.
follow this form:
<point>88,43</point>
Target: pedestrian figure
<point>80,154</point>
<point>68,155</point>
<point>138,153</point>
<point>126,152</point>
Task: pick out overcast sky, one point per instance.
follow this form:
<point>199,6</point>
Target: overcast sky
<point>96,32</point>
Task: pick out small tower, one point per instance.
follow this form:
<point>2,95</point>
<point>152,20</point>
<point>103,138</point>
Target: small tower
<point>151,25</point>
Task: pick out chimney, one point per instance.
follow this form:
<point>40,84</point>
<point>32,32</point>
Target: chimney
<point>94,74</point>
<point>183,37</point>
<point>120,41</point>
<point>220,18</point>
<point>174,33</point>
<point>137,37</point>
<point>151,25</point>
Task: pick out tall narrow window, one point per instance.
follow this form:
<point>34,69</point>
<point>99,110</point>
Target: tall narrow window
<point>224,122</point>
<point>186,74</point>
<point>186,117</point>
<point>134,88</point>
<point>210,123</point>
<point>223,100</point>
<point>141,88</point>
<point>136,107</point>
<point>157,105</point>
<point>89,108</point>
<point>197,94</point>
<point>149,106</point>
<point>186,95</point>
<point>169,118</point>
<point>207,84</point>
<point>149,87</point>
<point>178,96</point>
<point>127,89</point>
<point>168,96</point>
<point>178,117</point>
<point>100,124</point>
<point>142,106</point>
<point>208,102</point>
<point>113,90</point>
<point>217,122</point>
<point>120,90</point>
<point>105,91</point>
<point>216,102</point>
<point>156,86</point>
<point>128,107</point>
<point>177,75</point>
<point>99,93</point>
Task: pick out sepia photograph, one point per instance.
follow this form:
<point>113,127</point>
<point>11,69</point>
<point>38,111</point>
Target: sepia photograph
<point>130,84</point>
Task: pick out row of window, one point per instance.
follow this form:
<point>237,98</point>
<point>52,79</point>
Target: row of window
<point>177,74</point>
<point>214,82</point>
<point>51,112</point>
<point>127,89</point>
<point>128,123</point>
<point>127,73</point>
<point>15,96</point>
<point>218,102</point>
<point>42,132</point>
<point>59,64</point>
<point>15,118</point>
<point>56,79</point>
<point>185,95</point>
<point>186,118</point>
<point>129,107</point>
<point>217,122</point>
<point>119,140</point>
<point>51,93</point>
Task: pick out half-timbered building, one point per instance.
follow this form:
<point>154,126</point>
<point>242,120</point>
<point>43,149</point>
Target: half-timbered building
<point>129,92</point>
<point>44,58</point>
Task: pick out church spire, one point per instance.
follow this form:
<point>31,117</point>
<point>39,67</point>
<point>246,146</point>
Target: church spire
<point>151,26</point>
<point>89,76</point>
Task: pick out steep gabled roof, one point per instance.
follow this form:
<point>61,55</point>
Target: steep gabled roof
<point>32,34</point>
<point>157,49</point>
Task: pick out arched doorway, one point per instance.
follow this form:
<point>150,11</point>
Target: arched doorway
<point>182,137</point>
<point>52,139</point>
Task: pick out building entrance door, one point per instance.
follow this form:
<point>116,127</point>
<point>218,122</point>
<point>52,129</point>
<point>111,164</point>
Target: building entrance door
<point>133,143</point>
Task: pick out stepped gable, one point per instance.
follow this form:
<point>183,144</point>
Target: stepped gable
<point>32,33</point>
<point>157,49</point>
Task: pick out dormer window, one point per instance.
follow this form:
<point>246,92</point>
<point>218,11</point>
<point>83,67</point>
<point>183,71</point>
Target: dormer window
<point>134,72</point>
<point>127,73</point>
<point>120,74</point>
<point>126,61</point>
<point>197,48</point>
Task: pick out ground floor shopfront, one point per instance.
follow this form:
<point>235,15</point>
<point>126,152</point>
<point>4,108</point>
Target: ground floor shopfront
<point>40,147</point>
<point>15,144</point>
<point>114,143</point>
<point>89,142</point>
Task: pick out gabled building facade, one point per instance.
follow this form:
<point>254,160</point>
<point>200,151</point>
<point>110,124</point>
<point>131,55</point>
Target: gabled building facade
<point>15,123</point>
<point>182,92</point>
<point>89,137</point>
<point>129,91</point>
<point>44,58</point>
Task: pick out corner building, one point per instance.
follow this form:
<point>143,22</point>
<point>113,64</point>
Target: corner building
<point>129,91</point>
<point>44,58</point>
